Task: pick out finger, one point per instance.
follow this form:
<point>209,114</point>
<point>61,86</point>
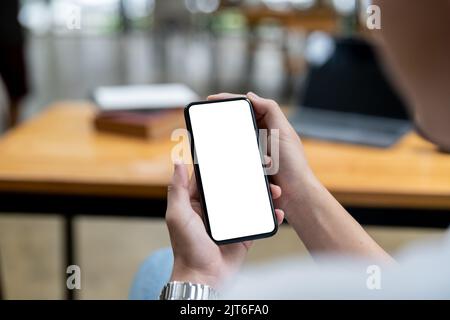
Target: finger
<point>178,194</point>
<point>275,190</point>
<point>193,191</point>
<point>268,110</point>
<point>280,216</point>
<point>267,160</point>
<point>247,244</point>
<point>225,95</point>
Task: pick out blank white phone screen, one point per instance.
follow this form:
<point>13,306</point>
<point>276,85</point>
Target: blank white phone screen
<point>232,175</point>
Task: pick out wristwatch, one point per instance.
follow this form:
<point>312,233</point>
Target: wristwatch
<point>177,290</point>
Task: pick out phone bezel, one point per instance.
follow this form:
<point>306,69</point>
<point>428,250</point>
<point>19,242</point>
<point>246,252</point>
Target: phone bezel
<point>196,167</point>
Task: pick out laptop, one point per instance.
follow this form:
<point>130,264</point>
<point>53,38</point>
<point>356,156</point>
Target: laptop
<point>348,99</point>
<point>349,127</point>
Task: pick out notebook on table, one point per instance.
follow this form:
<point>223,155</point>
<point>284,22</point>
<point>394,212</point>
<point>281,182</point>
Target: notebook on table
<point>147,111</point>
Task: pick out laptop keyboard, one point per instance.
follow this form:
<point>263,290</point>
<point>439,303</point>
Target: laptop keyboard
<point>348,127</point>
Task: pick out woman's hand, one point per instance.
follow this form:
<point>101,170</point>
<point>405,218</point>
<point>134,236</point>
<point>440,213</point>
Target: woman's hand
<point>320,221</point>
<point>197,258</point>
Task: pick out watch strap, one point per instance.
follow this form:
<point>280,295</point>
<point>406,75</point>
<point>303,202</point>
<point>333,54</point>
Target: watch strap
<point>177,290</point>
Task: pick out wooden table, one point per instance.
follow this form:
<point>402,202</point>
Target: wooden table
<point>59,152</point>
<point>58,163</point>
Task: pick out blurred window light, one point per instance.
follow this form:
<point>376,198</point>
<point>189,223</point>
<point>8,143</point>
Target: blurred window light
<point>283,5</point>
<point>97,16</point>
<point>97,3</point>
<point>362,10</point>
<point>61,11</point>
<point>35,16</point>
<point>277,5</point>
<point>208,6</point>
<point>136,9</point>
<point>270,31</point>
<point>202,6</point>
<point>191,5</point>
<point>319,48</point>
<point>345,7</point>
<point>303,4</point>
<point>268,59</point>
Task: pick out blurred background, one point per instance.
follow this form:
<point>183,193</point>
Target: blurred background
<point>210,45</point>
<point>71,47</point>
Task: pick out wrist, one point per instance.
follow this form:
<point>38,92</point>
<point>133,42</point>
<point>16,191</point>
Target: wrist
<point>185,274</point>
<point>306,191</point>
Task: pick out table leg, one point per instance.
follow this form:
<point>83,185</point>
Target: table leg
<point>69,252</point>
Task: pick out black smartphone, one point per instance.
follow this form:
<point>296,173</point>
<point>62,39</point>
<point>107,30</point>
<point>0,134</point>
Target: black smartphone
<point>234,190</point>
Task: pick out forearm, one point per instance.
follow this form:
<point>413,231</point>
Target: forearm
<point>325,226</point>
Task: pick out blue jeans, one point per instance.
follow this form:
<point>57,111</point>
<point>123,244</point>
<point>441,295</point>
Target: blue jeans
<point>152,275</point>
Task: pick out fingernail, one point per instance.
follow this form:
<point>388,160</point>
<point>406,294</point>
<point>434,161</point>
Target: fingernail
<point>177,162</point>
<point>176,170</point>
<point>252,94</point>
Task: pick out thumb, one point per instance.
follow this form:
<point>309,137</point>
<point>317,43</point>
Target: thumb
<point>178,199</point>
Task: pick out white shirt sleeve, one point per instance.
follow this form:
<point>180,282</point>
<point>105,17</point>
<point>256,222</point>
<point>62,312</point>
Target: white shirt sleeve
<point>423,272</point>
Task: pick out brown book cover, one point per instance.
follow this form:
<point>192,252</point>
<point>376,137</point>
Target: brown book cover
<point>151,124</point>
